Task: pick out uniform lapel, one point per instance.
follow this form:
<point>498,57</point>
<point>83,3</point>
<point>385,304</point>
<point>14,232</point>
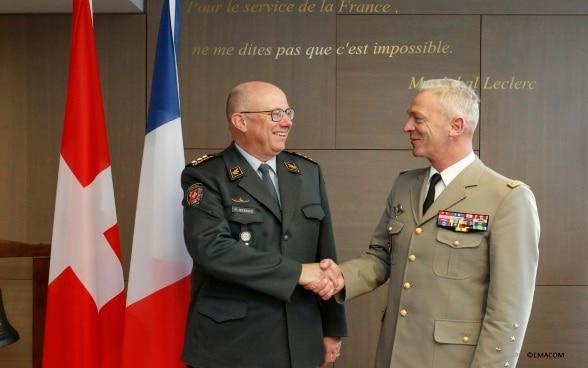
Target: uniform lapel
<point>290,183</point>
<point>246,177</point>
<point>456,191</point>
<point>416,195</point>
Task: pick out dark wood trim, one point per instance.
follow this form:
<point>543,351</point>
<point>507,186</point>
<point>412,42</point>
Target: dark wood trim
<point>9,248</point>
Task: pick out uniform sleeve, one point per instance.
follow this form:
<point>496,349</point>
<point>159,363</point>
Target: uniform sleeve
<point>333,314</point>
<point>513,258</point>
<point>371,269</point>
<point>326,245</point>
<point>210,244</point>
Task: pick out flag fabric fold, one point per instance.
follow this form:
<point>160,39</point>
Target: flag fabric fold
<point>158,289</point>
<point>85,296</point>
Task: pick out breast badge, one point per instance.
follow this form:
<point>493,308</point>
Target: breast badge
<point>398,210</point>
<point>245,236</point>
<point>462,222</point>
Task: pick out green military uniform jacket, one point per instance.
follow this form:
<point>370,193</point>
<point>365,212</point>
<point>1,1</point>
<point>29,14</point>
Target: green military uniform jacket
<point>246,308</point>
<point>455,299</point>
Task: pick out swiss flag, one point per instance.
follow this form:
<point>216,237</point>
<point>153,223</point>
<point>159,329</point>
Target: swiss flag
<point>86,300</point>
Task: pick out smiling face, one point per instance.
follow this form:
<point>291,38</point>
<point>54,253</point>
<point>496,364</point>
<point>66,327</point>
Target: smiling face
<point>255,132</point>
<point>441,121</point>
<point>429,128</point>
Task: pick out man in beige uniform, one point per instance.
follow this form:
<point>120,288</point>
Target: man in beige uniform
<point>462,274</point>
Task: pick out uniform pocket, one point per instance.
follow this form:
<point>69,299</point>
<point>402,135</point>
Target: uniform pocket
<point>241,222</point>
<point>221,310</point>
<point>457,332</point>
<point>394,227</point>
<point>313,211</point>
<point>457,254</point>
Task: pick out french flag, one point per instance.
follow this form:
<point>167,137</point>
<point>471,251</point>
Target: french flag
<point>158,290</point>
<point>85,296</point>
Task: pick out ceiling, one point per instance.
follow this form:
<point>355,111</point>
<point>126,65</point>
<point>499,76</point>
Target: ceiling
<point>65,6</point>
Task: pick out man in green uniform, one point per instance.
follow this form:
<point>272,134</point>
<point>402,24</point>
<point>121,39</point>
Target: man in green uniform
<point>254,246</point>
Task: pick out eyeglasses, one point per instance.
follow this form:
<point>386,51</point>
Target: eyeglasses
<point>276,114</point>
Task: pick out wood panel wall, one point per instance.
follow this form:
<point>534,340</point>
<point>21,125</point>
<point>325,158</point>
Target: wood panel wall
<point>350,110</point>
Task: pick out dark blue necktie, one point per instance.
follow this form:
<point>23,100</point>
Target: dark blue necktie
<point>265,176</point>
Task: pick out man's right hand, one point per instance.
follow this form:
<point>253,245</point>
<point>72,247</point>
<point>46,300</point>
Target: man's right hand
<point>324,279</point>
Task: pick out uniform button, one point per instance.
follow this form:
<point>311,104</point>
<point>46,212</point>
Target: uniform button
<point>406,285</point>
<point>412,258</point>
<point>456,243</point>
<point>390,230</point>
<point>466,339</point>
<point>418,231</point>
<point>286,237</point>
<point>403,313</point>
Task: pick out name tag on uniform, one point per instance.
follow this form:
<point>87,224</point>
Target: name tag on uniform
<point>237,209</point>
<point>462,222</point>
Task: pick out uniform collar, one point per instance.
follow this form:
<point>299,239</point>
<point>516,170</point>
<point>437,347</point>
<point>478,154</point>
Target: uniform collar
<point>454,170</point>
<point>254,162</point>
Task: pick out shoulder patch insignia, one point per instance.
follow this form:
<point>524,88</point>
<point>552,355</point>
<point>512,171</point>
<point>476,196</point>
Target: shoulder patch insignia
<point>304,157</point>
<point>194,194</point>
<point>200,160</point>
<point>515,183</point>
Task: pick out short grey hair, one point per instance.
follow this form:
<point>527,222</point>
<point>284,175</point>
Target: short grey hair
<point>456,97</point>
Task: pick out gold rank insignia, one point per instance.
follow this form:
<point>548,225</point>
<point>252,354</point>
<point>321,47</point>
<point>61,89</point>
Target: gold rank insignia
<point>291,166</point>
<point>304,157</point>
<point>236,172</point>
<point>515,183</point>
<point>200,160</point>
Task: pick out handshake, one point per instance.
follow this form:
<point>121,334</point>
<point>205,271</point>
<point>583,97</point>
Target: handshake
<point>324,279</point>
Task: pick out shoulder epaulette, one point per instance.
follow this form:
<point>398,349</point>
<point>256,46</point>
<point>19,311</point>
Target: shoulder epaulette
<point>515,183</point>
<point>200,160</point>
<point>304,157</point>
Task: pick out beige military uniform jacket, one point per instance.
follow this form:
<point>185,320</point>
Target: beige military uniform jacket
<point>455,299</point>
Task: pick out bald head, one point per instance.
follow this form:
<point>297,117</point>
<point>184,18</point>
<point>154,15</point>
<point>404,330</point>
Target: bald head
<point>251,122</point>
<point>246,96</point>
